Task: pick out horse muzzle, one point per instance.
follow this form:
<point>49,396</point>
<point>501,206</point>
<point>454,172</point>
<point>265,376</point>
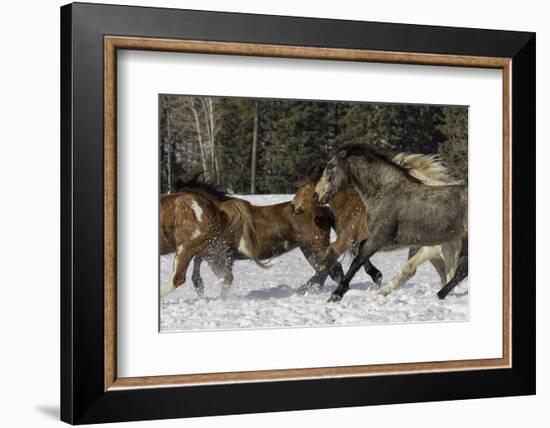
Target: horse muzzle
<point>319,200</point>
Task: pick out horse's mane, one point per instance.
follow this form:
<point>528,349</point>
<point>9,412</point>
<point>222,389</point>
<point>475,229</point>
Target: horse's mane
<point>315,172</point>
<point>199,187</point>
<point>370,152</point>
<point>427,168</point>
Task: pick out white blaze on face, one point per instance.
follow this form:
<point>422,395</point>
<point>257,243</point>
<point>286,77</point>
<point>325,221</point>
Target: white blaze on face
<point>320,188</point>
<point>197,210</point>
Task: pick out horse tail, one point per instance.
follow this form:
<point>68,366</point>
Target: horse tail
<point>249,244</point>
<point>429,169</point>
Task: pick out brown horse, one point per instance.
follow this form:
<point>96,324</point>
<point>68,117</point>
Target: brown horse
<point>350,213</point>
<point>201,222</point>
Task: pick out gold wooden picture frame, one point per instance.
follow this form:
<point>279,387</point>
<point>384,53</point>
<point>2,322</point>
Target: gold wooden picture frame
<point>114,43</point>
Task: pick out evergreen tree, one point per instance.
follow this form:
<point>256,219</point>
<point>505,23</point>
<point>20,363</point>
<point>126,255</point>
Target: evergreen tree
<point>298,135</point>
<point>216,135</point>
<point>235,140</point>
<point>408,128</point>
<point>454,150</point>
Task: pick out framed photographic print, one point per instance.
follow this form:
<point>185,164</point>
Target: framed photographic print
<point>265,213</point>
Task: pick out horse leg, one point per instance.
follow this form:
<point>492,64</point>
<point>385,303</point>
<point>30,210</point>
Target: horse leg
<point>412,253</point>
<point>223,269</point>
<point>196,277</point>
<point>373,272</point>
<point>336,273</point>
<point>330,255</point>
<point>461,273</point>
<point>181,262</point>
<point>450,251</point>
<point>439,264</point>
<point>330,261</point>
<point>370,269</point>
<point>227,281</point>
<point>316,282</point>
<point>367,249</point>
<point>423,254</point>
<point>343,285</point>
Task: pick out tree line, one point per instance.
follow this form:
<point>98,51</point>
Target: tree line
<point>249,145</point>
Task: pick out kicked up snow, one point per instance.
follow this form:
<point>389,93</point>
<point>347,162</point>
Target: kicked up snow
<point>268,298</point>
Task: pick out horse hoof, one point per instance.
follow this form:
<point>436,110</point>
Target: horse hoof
<point>378,279</point>
<point>303,289</point>
<point>441,294</point>
<point>165,291</point>
<point>199,289</point>
<point>334,298</point>
<point>309,288</point>
<point>385,291</point>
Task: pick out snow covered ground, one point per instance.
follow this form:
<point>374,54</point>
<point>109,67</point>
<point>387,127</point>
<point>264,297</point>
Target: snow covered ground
<point>267,298</point>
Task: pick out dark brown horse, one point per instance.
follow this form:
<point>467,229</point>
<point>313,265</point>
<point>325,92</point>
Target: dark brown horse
<point>201,222</point>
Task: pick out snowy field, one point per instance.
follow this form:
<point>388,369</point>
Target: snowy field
<point>268,298</point>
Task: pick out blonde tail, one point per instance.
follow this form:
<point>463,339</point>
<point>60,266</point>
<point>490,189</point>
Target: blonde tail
<point>242,214</point>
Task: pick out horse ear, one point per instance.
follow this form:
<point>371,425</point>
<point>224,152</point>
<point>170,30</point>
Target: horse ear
<point>316,172</point>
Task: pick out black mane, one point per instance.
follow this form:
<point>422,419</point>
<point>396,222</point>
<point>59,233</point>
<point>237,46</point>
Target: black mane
<point>316,171</point>
<point>199,187</point>
<point>365,150</point>
<point>371,152</point>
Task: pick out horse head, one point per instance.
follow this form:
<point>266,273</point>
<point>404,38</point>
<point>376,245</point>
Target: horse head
<point>303,199</point>
<point>333,179</point>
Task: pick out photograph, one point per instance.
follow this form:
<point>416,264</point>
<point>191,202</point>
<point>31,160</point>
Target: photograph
<point>282,213</point>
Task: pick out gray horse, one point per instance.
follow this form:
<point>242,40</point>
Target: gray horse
<point>403,211</point>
